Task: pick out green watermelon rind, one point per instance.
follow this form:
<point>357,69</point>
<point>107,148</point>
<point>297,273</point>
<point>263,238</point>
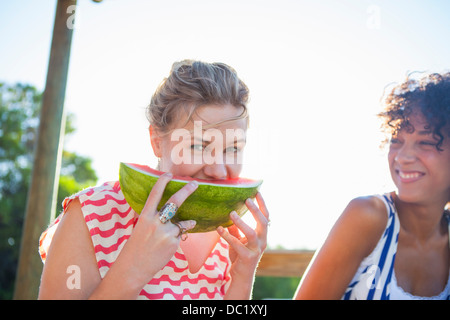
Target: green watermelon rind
<point>210,205</point>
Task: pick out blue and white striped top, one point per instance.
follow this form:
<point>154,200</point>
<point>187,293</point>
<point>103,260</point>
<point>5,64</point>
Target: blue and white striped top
<point>375,275</point>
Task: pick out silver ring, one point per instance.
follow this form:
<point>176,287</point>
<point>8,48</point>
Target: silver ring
<point>183,232</point>
<point>167,212</point>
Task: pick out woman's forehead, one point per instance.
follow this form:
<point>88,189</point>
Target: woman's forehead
<point>213,116</point>
<point>212,113</point>
<point>416,121</point>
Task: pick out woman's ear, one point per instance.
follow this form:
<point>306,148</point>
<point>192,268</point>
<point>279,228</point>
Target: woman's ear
<point>155,139</point>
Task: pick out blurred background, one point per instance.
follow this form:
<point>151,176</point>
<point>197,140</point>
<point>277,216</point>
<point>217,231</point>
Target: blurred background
<point>316,72</point>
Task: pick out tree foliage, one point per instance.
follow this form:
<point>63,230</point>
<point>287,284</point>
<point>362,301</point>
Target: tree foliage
<point>275,287</point>
<point>19,122</point>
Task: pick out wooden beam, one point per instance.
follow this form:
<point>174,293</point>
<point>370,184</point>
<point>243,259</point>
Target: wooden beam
<point>44,181</point>
<point>284,263</point>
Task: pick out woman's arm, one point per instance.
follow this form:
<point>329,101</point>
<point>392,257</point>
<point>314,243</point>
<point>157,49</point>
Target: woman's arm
<point>353,237</point>
<point>70,260</point>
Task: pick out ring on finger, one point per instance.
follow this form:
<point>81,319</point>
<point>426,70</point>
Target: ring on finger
<point>183,232</point>
<point>167,212</point>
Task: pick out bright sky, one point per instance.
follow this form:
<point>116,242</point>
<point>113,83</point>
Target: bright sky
<point>316,71</point>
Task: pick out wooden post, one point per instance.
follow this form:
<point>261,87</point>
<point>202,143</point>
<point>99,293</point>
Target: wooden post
<point>44,182</point>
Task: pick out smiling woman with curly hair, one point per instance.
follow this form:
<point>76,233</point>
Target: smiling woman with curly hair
<point>396,245</point>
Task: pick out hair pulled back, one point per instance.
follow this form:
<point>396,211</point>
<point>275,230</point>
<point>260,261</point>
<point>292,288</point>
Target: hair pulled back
<point>190,85</point>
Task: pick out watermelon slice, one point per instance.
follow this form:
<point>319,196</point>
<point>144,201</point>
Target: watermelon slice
<point>210,205</point>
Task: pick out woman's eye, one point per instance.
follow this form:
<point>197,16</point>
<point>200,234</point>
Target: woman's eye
<point>232,150</point>
<point>428,143</point>
<point>394,141</point>
<point>197,147</point>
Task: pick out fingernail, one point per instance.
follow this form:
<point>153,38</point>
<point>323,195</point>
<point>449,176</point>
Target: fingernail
<point>194,183</point>
<point>168,174</point>
<point>234,214</point>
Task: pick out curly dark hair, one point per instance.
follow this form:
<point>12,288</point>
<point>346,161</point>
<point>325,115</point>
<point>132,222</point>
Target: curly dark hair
<point>429,95</point>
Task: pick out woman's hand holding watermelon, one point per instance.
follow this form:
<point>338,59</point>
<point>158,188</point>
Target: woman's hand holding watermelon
<point>246,251</point>
<point>152,243</point>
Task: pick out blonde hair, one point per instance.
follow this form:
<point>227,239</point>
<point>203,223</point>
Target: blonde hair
<point>190,85</point>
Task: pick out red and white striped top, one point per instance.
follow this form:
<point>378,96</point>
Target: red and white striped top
<point>111,220</point>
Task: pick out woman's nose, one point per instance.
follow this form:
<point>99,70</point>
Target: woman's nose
<point>405,154</point>
<point>216,171</point>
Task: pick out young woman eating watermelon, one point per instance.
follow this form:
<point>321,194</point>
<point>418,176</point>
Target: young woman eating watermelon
<point>395,246</point>
<point>118,254</point>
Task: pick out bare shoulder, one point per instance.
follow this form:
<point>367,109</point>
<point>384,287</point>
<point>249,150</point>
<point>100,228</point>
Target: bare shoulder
<point>367,211</point>
<point>364,218</point>
<point>369,205</point>
<point>352,238</point>
<point>71,251</point>
<point>72,232</point>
